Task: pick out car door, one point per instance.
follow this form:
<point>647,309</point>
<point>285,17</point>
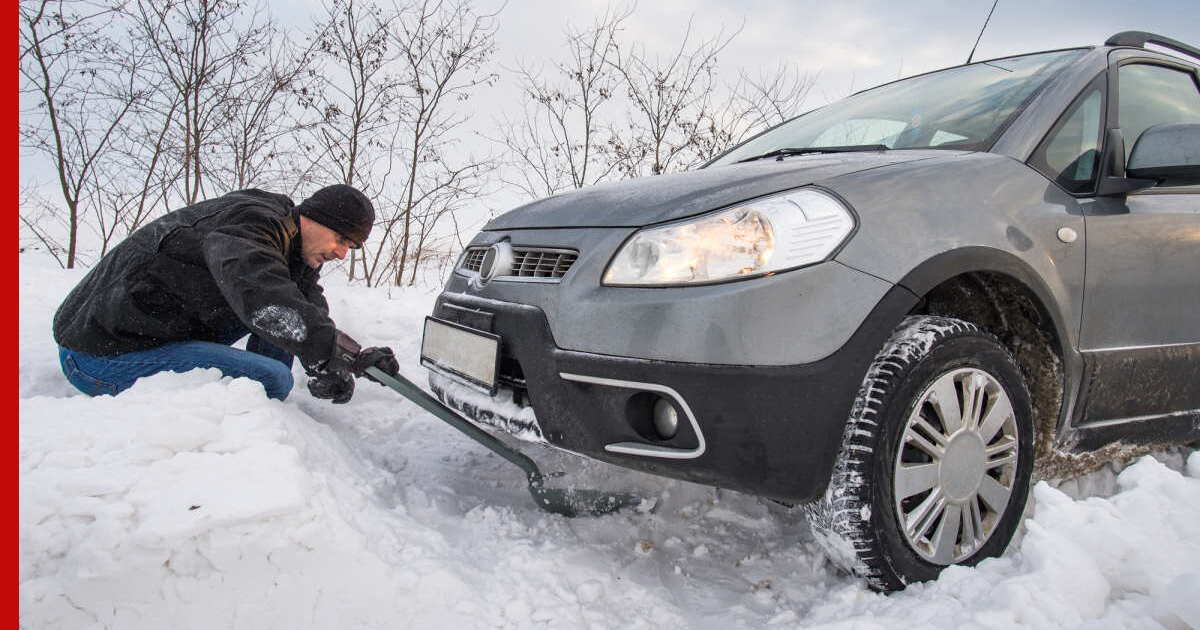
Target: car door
<point>1140,331</point>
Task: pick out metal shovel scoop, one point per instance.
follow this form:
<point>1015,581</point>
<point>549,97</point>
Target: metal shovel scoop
<point>569,502</point>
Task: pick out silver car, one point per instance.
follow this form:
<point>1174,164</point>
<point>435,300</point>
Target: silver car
<point>895,309</point>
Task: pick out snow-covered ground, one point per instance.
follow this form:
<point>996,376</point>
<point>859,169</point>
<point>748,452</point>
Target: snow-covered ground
<point>193,501</point>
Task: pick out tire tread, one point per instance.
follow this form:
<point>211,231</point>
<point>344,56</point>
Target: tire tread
<point>839,514</point>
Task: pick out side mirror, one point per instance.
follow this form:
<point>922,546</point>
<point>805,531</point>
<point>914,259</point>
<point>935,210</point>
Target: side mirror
<point>1168,154</point>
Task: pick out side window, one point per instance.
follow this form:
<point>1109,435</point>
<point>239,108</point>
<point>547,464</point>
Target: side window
<point>1153,95</point>
<point>1070,155</point>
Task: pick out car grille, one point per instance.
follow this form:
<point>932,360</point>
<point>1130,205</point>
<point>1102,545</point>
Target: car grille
<point>528,262</point>
<point>474,259</point>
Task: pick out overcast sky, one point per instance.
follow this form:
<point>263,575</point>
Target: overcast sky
<point>851,45</point>
<point>857,44</point>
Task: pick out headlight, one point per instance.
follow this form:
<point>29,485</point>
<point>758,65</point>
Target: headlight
<point>765,235</point>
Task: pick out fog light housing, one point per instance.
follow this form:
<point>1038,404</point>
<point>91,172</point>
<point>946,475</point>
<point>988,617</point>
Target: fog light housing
<point>666,419</point>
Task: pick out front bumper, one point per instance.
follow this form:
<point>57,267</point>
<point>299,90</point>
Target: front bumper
<point>767,430</point>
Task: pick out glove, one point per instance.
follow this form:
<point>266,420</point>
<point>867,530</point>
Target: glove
<point>350,358</point>
<point>332,379</point>
<point>379,357</point>
<point>335,386</point>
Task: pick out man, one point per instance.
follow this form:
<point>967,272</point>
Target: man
<point>180,290</point>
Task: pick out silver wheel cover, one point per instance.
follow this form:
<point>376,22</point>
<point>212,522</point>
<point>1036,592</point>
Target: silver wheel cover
<point>956,465</point>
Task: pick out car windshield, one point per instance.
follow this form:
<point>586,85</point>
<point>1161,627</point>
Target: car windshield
<point>958,108</point>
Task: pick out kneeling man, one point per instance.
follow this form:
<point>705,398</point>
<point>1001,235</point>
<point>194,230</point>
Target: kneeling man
<point>179,291</point>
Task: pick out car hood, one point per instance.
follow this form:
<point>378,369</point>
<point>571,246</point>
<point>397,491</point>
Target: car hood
<point>649,200</point>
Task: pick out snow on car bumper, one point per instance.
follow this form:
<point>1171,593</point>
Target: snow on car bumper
<point>767,430</point>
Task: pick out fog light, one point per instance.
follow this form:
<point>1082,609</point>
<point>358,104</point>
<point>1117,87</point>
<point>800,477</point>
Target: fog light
<point>666,419</point>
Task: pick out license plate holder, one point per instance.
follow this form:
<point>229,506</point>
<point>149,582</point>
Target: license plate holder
<point>471,355</point>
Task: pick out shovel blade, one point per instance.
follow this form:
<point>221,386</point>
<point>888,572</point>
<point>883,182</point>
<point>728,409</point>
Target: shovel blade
<point>581,502</point>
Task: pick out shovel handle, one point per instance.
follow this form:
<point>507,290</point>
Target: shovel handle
<point>406,388</point>
<point>569,503</point>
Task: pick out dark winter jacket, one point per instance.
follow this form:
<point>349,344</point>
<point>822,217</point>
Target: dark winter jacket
<point>198,273</point>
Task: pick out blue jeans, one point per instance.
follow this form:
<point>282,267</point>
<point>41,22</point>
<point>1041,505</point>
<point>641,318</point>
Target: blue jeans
<point>261,361</point>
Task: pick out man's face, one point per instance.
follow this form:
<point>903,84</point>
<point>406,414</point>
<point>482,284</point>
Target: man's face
<point>319,244</point>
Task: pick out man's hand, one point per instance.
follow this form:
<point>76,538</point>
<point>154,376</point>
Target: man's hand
<point>335,386</point>
<point>379,357</point>
<point>334,379</point>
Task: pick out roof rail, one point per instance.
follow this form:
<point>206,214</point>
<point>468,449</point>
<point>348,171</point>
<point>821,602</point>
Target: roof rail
<point>1139,39</point>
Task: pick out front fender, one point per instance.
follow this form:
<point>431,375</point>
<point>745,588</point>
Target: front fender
<point>924,222</point>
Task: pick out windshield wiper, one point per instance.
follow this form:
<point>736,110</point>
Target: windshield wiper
<point>780,153</point>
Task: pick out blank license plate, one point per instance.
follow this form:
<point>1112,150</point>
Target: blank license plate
<point>472,355</point>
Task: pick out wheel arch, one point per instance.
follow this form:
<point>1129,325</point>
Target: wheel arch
<point>1001,293</point>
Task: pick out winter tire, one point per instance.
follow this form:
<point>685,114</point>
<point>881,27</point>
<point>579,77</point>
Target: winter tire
<point>936,459</point>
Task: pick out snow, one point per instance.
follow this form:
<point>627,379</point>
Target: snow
<point>193,501</point>
<point>282,321</point>
<point>500,411</point>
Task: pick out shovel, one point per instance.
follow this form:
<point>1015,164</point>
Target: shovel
<point>567,502</point>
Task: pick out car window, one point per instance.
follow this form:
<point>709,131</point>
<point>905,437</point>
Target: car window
<point>1152,95</point>
<point>861,131</point>
<point>1070,154</point>
<point>964,107</point>
<point>945,137</point>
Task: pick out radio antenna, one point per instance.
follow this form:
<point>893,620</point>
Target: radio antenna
<point>985,23</point>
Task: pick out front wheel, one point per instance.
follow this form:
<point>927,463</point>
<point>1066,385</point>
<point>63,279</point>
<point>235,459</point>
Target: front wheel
<point>936,459</point>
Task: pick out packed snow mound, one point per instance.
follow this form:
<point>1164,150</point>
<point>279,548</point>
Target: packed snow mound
<point>1121,562</point>
<point>193,501</point>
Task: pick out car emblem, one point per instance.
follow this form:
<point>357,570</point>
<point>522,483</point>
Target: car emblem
<point>497,261</point>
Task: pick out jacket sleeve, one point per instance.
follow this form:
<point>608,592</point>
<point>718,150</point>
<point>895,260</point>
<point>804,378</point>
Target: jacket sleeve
<point>313,290</point>
<point>247,260</point>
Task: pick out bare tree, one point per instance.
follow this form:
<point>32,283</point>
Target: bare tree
<point>260,126</point>
<point>78,103</point>
<point>135,182</point>
<point>669,97</point>
<point>439,250</point>
<point>444,192</point>
<point>215,81</point>
<point>357,100</point>
<point>110,206</point>
<point>562,140</point>
<point>773,97</point>
<point>34,214</point>
<point>142,105</point>
<point>142,170</point>
<point>442,47</point>
<point>753,104</point>
<point>138,177</point>
<point>203,57</point>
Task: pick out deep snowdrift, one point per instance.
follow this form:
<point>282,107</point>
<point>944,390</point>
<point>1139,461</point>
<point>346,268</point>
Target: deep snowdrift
<point>192,501</point>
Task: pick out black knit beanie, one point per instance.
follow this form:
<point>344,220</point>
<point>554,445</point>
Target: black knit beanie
<point>343,209</point>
